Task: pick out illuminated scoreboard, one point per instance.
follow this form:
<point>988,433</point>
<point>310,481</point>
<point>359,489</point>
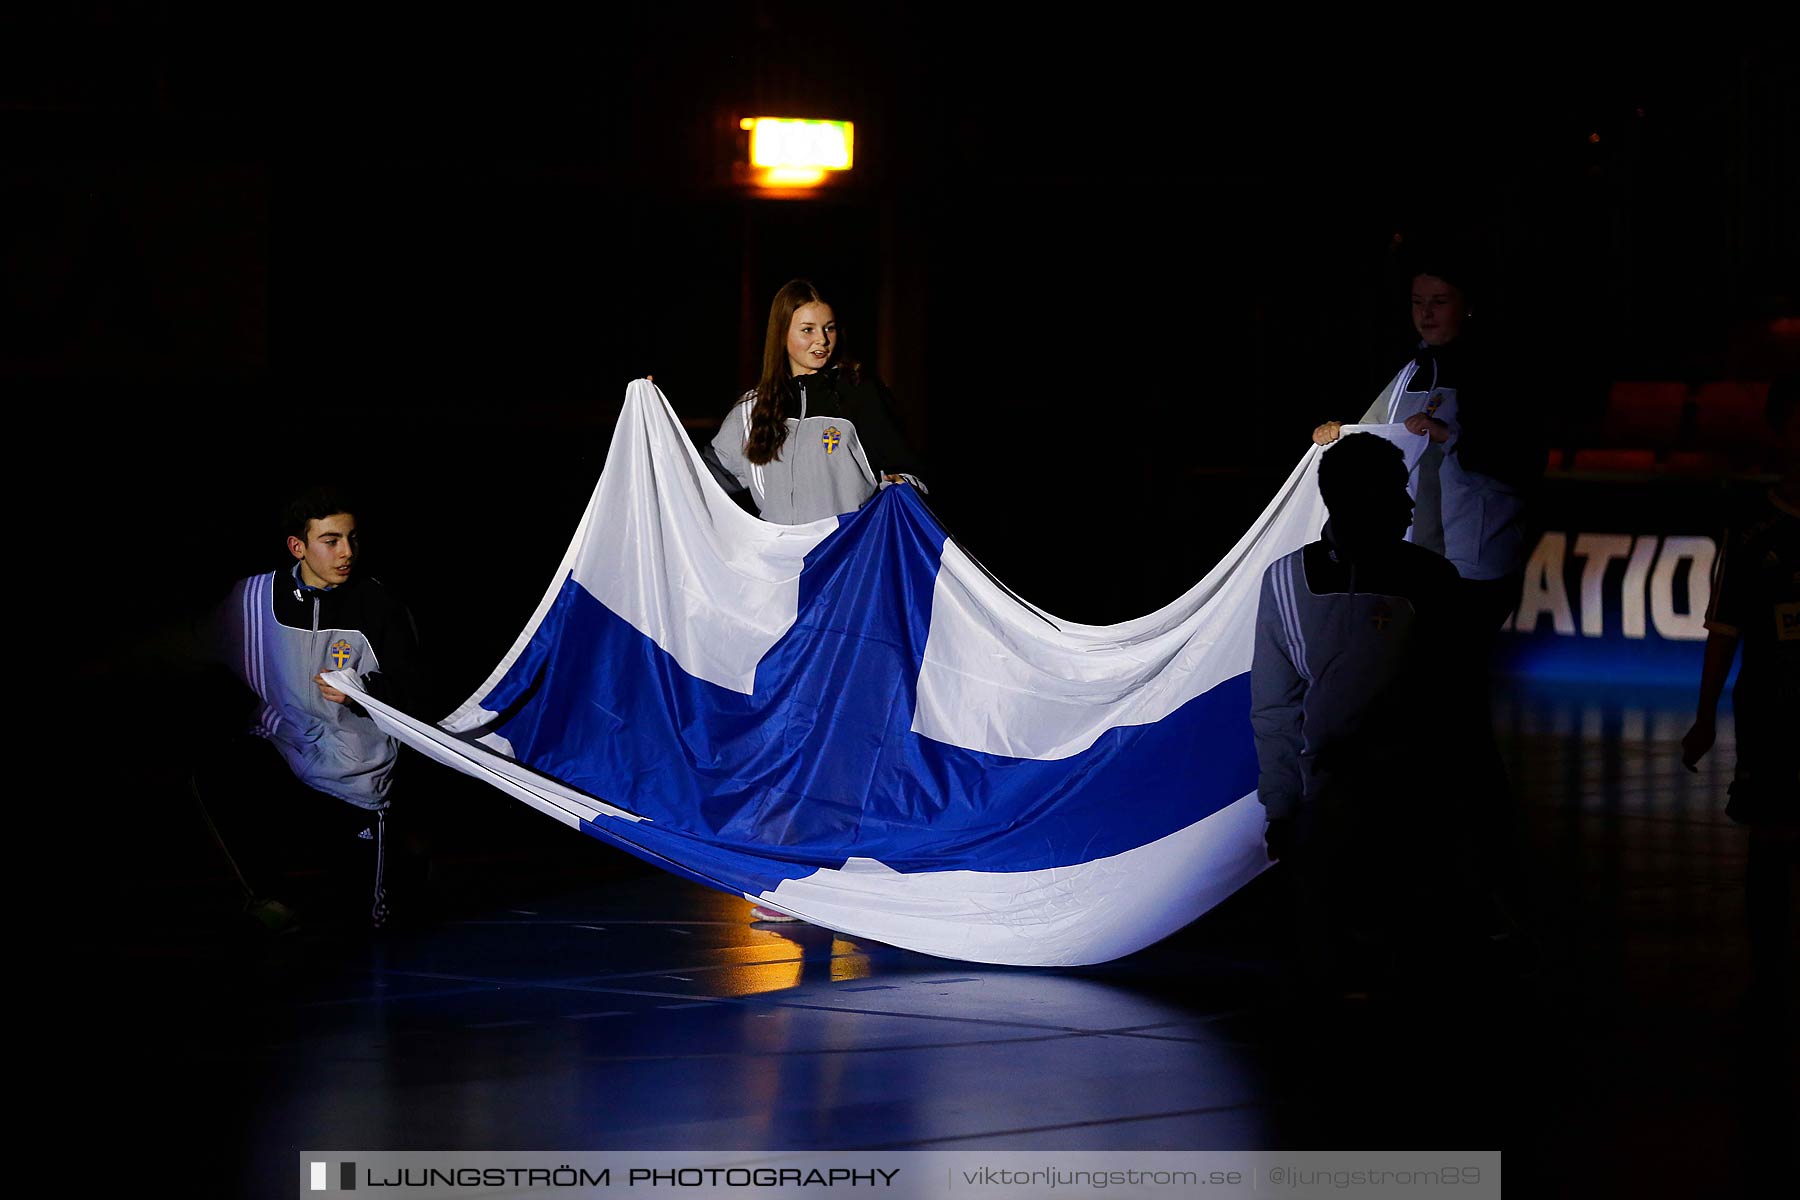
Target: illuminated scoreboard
<point>787,153</point>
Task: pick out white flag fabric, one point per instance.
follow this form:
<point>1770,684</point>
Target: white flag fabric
<point>853,722</point>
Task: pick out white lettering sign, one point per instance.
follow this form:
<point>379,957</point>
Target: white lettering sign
<point>1646,589</point>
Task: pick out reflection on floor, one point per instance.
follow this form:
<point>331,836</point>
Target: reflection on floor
<point>611,1006</point>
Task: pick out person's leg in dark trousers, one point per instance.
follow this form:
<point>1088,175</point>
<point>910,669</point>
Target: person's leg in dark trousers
<point>1765,797</point>
<point>1769,874</point>
<point>1491,824</point>
<point>356,851</point>
<point>270,825</point>
<point>1334,909</point>
<point>246,796</point>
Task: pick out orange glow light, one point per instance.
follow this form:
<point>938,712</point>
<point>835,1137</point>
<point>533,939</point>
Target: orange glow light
<point>790,177</point>
<point>777,143</point>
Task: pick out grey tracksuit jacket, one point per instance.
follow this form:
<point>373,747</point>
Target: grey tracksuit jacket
<point>1341,673</point>
<point>277,634</point>
<point>841,440</point>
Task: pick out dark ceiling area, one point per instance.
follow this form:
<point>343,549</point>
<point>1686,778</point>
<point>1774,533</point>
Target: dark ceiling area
<point>1114,268</point>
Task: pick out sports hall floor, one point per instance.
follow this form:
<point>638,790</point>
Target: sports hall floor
<point>547,992</point>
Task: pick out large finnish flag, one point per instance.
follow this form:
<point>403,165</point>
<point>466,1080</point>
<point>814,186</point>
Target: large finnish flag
<point>851,721</point>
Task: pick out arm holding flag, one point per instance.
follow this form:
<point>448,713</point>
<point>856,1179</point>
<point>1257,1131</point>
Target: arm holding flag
<point>1277,691</point>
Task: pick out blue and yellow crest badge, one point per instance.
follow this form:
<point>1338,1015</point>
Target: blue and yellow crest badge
<point>339,654</point>
<point>830,439</point>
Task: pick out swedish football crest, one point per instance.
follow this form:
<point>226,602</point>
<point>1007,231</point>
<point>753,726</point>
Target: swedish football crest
<point>339,653</point>
<point>830,439</point>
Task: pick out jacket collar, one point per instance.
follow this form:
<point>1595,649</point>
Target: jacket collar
<point>301,589</point>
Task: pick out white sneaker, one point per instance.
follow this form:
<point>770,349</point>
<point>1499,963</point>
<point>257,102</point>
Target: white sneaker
<point>759,913</point>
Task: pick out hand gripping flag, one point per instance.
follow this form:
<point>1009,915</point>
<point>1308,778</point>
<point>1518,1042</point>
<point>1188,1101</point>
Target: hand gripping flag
<point>851,721</point>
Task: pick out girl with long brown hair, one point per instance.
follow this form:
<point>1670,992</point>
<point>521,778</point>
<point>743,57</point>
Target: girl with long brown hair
<point>816,436</point>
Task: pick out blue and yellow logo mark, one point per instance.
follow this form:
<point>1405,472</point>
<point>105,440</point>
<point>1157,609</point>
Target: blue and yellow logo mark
<point>830,439</point>
<point>340,653</point>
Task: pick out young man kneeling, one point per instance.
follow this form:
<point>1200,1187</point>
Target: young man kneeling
<point>280,632</point>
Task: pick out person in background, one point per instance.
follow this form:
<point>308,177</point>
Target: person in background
<point>1755,607</point>
<point>1473,482</point>
<point>1350,630</point>
<point>312,765</point>
<point>816,437</point>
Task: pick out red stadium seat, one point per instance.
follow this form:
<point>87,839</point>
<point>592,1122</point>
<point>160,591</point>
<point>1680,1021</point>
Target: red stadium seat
<point>1697,462</point>
<point>1644,414</point>
<point>1614,460</point>
<point>1730,417</point>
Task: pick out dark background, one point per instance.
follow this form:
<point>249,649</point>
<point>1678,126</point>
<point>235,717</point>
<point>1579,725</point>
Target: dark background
<point>1114,266</point>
